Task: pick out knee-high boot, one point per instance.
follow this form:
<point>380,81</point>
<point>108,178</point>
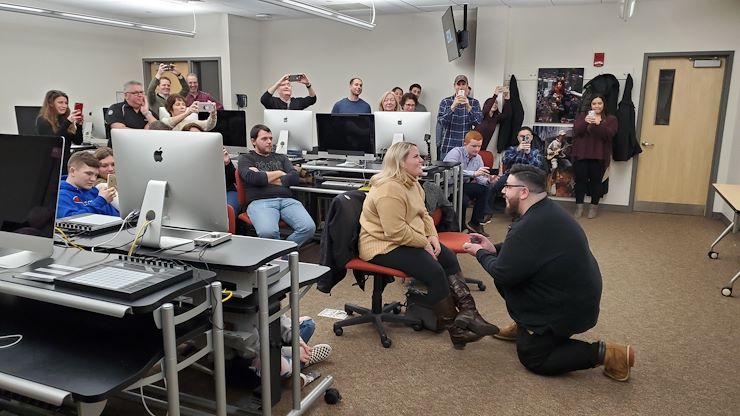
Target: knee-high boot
<point>446,313</point>
<point>468,318</point>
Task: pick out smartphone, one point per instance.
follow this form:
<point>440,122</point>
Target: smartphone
<point>460,93</point>
<point>475,239</point>
<point>526,139</point>
<point>494,171</point>
<point>112,182</point>
<point>592,113</point>
<point>294,78</point>
<point>78,107</point>
<point>206,107</point>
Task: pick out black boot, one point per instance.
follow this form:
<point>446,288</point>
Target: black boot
<point>468,318</point>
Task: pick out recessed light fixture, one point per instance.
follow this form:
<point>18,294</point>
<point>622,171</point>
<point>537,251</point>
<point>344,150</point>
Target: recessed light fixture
<point>263,15</point>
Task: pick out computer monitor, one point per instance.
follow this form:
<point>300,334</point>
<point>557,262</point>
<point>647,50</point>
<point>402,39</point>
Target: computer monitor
<point>293,130</point>
<point>232,124</point>
<point>392,126</point>
<point>176,179</point>
<point>25,118</point>
<point>349,135</point>
<point>30,167</point>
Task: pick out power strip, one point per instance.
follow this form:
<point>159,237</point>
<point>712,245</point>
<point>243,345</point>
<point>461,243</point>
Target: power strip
<point>212,239</point>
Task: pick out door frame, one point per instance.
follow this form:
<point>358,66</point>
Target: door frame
<point>728,55</point>
<point>147,77</point>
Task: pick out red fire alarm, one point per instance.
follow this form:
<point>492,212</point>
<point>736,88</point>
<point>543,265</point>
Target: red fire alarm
<point>599,59</point>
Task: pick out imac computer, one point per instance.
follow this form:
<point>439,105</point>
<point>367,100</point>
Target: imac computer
<point>351,136</point>
<point>27,218</point>
<point>397,126</point>
<point>176,180</point>
<point>292,129</point>
<point>232,124</point>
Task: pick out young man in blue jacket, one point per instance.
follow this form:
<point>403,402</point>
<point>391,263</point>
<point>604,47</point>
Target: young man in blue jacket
<point>77,191</point>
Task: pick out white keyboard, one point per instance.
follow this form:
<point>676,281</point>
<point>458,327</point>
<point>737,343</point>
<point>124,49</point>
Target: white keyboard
<point>343,184</point>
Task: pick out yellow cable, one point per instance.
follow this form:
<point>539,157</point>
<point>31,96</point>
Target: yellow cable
<point>229,295</point>
<point>139,234</point>
<point>67,239</point>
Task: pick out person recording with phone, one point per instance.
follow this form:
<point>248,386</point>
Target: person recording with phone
<point>285,99</point>
<point>457,115</point>
<point>56,119</point>
<point>591,153</point>
<point>77,191</point>
<point>185,117</point>
<point>194,94</point>
<point>159,88</point>
<point>107,172</point>
<point>521,154</point>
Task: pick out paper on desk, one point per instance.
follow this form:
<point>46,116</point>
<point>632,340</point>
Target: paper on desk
<point>333,313</point>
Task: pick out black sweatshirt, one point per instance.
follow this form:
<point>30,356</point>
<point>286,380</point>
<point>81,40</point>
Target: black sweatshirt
<point>44,128</point>
<point>256,183</point>
<point>545,269</point>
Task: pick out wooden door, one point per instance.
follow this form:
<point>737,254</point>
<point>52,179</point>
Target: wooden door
<point>678,135</point>
<point>182,67</point>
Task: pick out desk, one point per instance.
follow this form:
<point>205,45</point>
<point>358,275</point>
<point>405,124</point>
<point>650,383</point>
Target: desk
<point>731,195</point>
<point>111,344</point>
<point>240,262</point>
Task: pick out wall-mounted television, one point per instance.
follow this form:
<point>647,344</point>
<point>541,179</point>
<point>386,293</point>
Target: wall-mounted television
<point>455,41</point>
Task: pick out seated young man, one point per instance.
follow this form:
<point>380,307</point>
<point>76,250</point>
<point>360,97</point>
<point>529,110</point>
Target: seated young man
<point>77,191</point>
<point>267,178</point>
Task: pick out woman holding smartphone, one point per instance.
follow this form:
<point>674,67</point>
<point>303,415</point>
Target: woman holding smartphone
<point>56,119</point>
<point>592,152</point>
<point>107,172</point>
<point>397,231</point>
<point>185,118</point>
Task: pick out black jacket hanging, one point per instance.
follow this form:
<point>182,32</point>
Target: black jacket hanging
<point>625,144</point>
<point>509,128</point>
<point>606,85</point>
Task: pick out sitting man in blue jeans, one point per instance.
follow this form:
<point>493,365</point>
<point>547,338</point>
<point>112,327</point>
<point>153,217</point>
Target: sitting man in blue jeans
<point>267,178</point>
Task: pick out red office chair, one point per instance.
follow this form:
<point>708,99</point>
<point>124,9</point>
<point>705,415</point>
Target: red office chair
<point>379,312</point>
<point>454,241</point>
<point>241,195</point>
<point>487,157</point>
<point>232,219</point>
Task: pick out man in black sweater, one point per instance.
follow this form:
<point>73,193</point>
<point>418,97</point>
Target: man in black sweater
<point>550,281</point>
<point>267,178</point>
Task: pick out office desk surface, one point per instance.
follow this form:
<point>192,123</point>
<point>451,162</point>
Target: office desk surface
<point>730,193</point>
<point>240,253</point>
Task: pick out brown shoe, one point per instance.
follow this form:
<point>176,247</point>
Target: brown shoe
<point>618,360</point>
<point>507,333</point>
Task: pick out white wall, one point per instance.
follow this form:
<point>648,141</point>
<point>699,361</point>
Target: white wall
<point>568,36</point>
<point>245,49</point>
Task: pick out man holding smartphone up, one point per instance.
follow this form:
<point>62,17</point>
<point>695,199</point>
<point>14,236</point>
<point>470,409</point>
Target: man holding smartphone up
<point>284,89</point>
<point>457,115</point>
<point>159,88</point>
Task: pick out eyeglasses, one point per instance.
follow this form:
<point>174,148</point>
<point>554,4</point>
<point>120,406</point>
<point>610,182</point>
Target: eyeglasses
<point>135,92</point>
<point>507,186</point>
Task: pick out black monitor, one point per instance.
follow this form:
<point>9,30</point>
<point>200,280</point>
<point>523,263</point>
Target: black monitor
<point>27,224</point>
<point>232,124</point>
<point>348,135</point>
<point>450,35</point>
<point>25,118</point>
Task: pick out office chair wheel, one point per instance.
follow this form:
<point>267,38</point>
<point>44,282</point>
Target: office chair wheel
<point>481,287</point>
<point>727,291</point>
<point>338,331</point>
<point>386,341</point>
<point>713,255</point>
<point>397,310</point>
<point>417,327</point>
<point>349,311</point>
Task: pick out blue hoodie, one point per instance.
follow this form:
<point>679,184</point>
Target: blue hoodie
<point>73,201</point>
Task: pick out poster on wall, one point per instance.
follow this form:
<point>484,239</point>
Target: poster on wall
<point>557,140</point>
<point>558,94</point>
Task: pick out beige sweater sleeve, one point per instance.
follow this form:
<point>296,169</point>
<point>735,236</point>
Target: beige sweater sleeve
<point>391,210</point>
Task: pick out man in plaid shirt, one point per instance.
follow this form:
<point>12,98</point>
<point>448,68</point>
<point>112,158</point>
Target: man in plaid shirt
<point>457,115</point>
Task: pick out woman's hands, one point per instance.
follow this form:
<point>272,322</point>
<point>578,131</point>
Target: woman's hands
<point>433,247</point>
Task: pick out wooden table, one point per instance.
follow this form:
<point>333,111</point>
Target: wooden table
<point>731,194</point>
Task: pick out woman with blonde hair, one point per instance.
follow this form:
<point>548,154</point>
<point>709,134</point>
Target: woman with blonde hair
<point>397,232</point>
<point>388,102</point>
<point>56,119</point>
<point>184,117</point>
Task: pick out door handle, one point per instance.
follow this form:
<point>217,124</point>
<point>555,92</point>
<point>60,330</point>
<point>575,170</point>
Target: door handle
<point>647,144</point>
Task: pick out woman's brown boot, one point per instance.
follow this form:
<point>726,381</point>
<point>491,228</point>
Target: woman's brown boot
<point>446,312</point>
<point>468,318</point>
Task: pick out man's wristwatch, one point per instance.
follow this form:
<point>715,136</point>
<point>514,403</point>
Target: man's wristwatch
<point>308,85</point>
<point>148,113</point>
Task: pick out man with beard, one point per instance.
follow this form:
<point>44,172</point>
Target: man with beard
<point>353,104</point>
<point>551,286</point>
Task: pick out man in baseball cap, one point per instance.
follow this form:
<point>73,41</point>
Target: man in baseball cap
<point>457,115</point>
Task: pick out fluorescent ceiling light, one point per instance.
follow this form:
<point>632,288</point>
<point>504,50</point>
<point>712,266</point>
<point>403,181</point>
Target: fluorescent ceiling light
<point>324,12</point>
<point>96,20</point>
<point>626,9</point>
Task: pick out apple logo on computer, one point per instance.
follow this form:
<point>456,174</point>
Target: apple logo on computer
<point>400,122</point>
<point>158,155</point>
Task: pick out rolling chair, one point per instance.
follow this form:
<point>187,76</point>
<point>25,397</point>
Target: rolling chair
<point>378,312</point>
<point>241,195</point>
<point>454,241</point>
<point>232,219</point>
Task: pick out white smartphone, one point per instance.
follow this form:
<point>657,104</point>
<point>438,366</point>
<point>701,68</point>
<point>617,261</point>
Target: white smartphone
<point>206,107</point>
<point>592,113</point>
<point>460,93</point>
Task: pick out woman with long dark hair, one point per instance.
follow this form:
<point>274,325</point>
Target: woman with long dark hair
<point>592,152</point>
<point>56,119</point>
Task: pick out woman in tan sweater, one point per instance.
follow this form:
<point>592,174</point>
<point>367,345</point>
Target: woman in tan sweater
<point>397,232</point>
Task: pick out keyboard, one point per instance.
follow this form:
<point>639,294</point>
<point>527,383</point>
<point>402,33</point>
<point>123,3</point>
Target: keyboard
<point>128,278</point>
<point>343,184</point>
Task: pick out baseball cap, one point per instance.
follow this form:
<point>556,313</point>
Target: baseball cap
<point>461,78</point>
<point>561,133</point>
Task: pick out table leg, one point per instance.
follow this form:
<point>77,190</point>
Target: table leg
<point>170,359</point>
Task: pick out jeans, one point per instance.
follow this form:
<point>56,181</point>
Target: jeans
<point>233,201</point>
<point>266,214</point>
<point>482,195</point>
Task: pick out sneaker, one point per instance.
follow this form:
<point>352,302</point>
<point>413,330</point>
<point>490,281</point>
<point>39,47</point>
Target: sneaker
<point>486,219</point>
<point>477,228</point>
<point>507,333</point>
<point>309,377</point>
<point>319,353</point>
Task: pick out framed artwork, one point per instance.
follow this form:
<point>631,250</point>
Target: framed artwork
<point>559,92</point>
<point>557,141</point>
